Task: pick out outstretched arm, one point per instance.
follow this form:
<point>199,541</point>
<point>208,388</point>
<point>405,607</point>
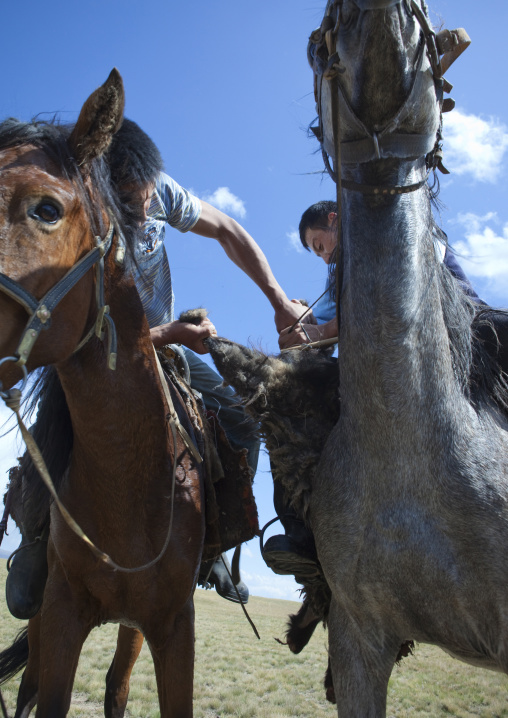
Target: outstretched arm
<point>246,254</point>
<point>190,335</point>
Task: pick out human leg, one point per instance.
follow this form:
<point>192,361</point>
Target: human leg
<point>241,430</point>
<point>294,552</point>
<point>242,433</point>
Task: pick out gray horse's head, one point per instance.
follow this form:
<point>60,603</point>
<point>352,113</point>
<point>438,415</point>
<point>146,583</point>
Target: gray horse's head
<point>373,54</point>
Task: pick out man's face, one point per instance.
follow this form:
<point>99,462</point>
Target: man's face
<point>140,198</point>
<point>322,240</point>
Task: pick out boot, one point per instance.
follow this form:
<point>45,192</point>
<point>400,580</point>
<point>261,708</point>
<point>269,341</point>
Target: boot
<point>214,573</point>
<point>293,553</point>
<point>24,587</point>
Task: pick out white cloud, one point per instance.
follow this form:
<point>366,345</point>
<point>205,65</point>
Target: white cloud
<point>483,253</point>
<point>474,145</point>
<point>226,201</point>
<point>294,241</point>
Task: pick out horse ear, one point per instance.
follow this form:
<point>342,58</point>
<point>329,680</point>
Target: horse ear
<point>100,117</point>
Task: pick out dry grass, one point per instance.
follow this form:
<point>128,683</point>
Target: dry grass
<point>238,676</point>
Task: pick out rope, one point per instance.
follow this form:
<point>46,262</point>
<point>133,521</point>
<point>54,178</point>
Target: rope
<point>306,311</point>
<point>312,345</point>
<point>240,599</point>
<point>22,547</point>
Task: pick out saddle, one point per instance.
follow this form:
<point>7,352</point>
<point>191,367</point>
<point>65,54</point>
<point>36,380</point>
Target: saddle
<point>230,508</point>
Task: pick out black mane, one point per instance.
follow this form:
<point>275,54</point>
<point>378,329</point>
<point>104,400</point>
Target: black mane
<point>477,372</point>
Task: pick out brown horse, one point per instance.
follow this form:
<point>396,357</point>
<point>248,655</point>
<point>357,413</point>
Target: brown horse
<point>132,485</point>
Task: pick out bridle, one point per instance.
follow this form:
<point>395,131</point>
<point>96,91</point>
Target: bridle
<point>387,143</point>
<point>40,311</point>
<point>325,62</point>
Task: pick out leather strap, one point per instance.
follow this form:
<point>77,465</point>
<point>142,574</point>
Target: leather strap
<point>40,310</point>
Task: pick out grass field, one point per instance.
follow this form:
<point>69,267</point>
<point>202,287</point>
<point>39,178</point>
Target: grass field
<point>238,676</point>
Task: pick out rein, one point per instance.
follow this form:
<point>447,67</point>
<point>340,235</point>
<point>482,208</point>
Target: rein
<point>12,399</point>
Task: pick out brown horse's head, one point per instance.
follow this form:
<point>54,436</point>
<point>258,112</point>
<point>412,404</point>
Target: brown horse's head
<point>53,199</point>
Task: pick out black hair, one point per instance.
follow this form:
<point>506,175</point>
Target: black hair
<point>133,158</point>
<point>315,216</point>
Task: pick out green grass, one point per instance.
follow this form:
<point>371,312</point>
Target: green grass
<point>238,676</point>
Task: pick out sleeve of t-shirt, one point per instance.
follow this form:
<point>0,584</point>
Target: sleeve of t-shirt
<point>324,309</point>
<point>181,209</point>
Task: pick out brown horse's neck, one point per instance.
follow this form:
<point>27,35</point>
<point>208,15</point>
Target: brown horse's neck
<point>118,417</point>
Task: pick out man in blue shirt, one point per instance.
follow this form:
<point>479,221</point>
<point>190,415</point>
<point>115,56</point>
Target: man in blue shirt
<point>318,234</point>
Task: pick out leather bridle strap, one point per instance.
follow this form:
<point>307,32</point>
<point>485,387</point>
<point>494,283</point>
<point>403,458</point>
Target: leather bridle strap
<point>40,311</point>
<point>375,190</point>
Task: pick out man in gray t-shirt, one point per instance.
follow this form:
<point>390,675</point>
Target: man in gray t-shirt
<point>152,199</point>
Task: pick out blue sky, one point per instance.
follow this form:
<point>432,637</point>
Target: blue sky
<point>225,91</point>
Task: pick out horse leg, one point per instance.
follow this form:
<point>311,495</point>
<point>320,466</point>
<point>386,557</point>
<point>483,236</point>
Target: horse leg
<point>173,657</point>
<point>65,625</point>
<point>29,686</point>
<point>128,647</point>
<point>360,673</point>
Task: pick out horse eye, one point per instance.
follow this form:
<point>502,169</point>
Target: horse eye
<point>46,212</point>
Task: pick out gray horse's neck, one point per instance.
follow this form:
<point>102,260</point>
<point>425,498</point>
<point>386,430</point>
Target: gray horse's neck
<point>394,342</point>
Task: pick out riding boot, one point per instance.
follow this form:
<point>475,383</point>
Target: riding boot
<point>215,573</point>
<point>28,572</point>
<point>292,553</point>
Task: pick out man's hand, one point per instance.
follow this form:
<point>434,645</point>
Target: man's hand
<point>301,334</point>
<point>190,335</point>
<point>306,333</point>
<point>290,313</point>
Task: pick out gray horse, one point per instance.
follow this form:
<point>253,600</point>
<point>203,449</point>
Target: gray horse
<point>409,504</point>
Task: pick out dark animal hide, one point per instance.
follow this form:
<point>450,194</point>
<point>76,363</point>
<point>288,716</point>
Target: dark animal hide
<point>300,627</point>
<point>295,399</point>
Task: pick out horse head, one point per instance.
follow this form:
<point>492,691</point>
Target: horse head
<point>377,71</point>
<point>52,210</point>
